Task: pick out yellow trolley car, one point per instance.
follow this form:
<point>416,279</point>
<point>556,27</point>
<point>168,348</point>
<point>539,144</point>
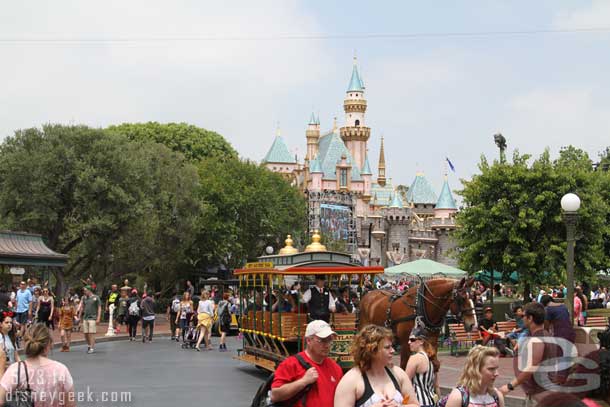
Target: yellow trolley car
<point>270,332</point>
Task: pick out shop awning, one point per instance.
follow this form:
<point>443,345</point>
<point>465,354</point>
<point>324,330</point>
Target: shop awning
<point>27,249</point>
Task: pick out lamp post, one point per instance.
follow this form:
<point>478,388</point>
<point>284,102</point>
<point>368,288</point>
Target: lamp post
<point>570,203</point>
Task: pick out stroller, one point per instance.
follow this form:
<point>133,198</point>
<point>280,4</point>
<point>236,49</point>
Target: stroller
<point>192,333</point>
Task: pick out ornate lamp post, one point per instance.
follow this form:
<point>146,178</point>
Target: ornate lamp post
<point>570,203</point>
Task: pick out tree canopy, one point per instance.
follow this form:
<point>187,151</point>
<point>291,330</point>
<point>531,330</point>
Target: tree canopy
<point>130,206</point>
<point>192,141</point>
<point>511,220</point>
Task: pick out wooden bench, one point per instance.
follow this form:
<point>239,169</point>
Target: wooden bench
<point>288,325</point>
<point>506,326</point>
<point>597,322</point>
<point>458,338</point>
<point>344,322</point>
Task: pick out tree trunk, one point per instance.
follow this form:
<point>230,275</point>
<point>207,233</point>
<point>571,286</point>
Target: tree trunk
<point>526,292</point>
<point>60,290</point>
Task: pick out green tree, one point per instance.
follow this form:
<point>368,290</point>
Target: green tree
<point>192,141</point>
<point>247,207</point>
<point>511,219</point>
<point>86,190</point>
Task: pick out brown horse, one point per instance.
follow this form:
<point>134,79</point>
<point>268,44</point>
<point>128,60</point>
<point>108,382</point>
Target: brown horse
<point>426,303</point>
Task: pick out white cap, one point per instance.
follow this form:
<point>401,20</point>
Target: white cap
<point>319,328</point>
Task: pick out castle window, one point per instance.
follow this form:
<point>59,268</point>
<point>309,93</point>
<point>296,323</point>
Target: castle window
<point>343,181</point>
<point>357,122</point>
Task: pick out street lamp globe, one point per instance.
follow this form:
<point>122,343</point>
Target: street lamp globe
<point>269,249</point>
<point>570,202</point>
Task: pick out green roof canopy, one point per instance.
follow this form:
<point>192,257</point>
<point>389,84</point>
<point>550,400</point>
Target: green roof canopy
<point>26,249</point>
<point>425,268</point>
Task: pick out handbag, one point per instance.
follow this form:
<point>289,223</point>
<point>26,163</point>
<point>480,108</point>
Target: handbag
<point>20,397</point>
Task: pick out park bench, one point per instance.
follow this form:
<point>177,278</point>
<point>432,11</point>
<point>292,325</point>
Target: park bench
<point>597,322</point>
<point>459,338</point>
<point>506,326</point>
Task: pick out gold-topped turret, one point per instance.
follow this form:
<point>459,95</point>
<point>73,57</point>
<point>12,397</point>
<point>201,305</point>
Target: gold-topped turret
<point>288,249</point>
<point>315,245</point>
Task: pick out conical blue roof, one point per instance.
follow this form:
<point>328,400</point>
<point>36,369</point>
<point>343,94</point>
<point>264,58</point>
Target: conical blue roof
<point>445,201</point>
<point>396,202</point>
<point>278,153</point>
<point>366,168</point>
<point>312,119</point>
<point>355,84</point>
<point>420,191</point>
<point>315,167</point>
<point>331,149</point>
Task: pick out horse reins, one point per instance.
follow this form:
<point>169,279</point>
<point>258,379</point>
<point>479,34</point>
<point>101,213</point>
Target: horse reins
<point>420,309</point>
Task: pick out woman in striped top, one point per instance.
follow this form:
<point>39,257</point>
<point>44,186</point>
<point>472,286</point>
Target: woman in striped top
<point>421,369</point>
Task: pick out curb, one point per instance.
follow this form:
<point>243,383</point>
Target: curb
<point>104,339</point>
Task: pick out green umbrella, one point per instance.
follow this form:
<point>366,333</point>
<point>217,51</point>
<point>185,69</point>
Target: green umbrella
<point>485,276</point>
<point>426,269</point>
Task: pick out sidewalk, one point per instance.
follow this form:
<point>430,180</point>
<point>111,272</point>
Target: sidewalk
<point>78,338</point>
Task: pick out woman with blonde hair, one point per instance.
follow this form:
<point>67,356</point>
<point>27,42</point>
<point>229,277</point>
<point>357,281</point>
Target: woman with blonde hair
<point>50,381</point>
<point>183,315</point>
<point>422,368</point>
<point>374,381</point>
<point>475,387</point>
<point>205,318</point>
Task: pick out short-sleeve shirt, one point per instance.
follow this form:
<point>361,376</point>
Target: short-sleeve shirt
<point>322,393</point>
<point>91,304</point>
<point>559,318</point>
<point>7,346</point>
<point>487,323</point>
<point>23,300</point>
<point>46,381</point>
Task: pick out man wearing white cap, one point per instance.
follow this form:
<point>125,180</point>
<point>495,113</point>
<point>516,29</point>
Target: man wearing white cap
<point>313,384</point>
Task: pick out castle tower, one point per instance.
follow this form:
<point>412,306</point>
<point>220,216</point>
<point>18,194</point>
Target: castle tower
<point>445,206</point>
<point>367,176</point>
<point>381,176</point>
<point>313,135</point>
<point>355,134</point>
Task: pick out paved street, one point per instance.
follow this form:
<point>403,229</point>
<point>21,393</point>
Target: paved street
<point>162,374</point>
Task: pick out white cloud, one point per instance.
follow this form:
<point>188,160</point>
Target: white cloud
<point>557,117</point>
<point>229,86</point>
<point>594,15</point>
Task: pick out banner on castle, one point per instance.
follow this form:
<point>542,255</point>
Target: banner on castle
<point>334,221</point>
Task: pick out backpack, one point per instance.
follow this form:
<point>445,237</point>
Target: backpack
<point>262,398</point>
<point>225,315</point>
<point>465,398</point>
<point>176,305</point>
<point>134,309</point>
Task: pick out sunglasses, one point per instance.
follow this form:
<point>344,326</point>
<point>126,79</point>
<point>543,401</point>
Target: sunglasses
<point>413,339</point>
<point>325,340</point>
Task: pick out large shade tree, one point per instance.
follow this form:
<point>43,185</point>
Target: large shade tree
<point>85,191</point>
<point>511,220</point>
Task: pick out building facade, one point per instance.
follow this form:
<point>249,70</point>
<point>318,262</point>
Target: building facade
<point>376,222</point>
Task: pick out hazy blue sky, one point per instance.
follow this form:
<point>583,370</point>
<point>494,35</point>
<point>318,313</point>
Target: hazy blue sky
<point>431,96</point>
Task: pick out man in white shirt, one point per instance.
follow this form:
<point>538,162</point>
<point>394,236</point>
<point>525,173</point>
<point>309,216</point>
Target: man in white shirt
<point>319,299</point>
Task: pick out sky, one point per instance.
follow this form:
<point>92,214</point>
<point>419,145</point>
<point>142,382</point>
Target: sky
<point>440,80</point>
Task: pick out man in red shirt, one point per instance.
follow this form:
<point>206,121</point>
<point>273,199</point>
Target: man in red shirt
<point>291,378</point>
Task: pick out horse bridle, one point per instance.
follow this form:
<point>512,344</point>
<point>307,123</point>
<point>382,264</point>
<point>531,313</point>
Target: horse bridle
<point>421,315</point>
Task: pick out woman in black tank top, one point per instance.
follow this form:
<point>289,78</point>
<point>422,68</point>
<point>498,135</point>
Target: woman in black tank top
<point>374,379</point>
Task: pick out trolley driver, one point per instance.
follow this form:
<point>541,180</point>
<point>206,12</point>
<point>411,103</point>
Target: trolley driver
<point>319,299</point>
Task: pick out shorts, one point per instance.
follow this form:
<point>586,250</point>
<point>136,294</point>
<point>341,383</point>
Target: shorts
<point>184,323</point>
<point>21,317</point>
<point>204,320</point>
<point>89,326</point>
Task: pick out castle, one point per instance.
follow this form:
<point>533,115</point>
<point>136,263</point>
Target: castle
<point>377,223</point>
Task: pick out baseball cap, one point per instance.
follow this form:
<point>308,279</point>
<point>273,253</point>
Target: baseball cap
<point>319,328</point>
<point>88,287</point>
<point>488,309</point>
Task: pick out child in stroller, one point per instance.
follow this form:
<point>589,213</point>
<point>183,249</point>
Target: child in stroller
<point>192,333</point>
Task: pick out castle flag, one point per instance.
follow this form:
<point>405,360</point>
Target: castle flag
<point>450,164</point>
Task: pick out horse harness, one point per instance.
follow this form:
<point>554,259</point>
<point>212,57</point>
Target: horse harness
<point>420,316</point>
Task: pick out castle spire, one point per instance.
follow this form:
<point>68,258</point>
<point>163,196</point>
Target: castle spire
<point>381,177</point>
<point>355,83</point>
